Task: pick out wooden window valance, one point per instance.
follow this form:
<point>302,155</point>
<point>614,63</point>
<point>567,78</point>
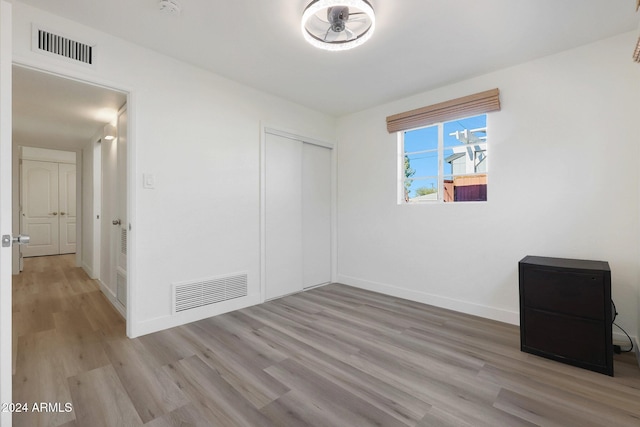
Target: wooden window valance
<point>479,103</point>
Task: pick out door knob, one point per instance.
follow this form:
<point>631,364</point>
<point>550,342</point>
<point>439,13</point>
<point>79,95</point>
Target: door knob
<point>21,239</point>
<point>116,222</point>
<point>62,213</point>
<point>53,213</point>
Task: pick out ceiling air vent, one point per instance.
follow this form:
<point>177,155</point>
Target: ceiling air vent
<point>187,296</point>
<point>47,42</point>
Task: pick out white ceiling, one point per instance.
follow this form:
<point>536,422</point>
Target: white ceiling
<point>418,44</point>
<point>50,111</point>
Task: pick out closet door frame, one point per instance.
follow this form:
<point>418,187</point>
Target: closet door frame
<point>265,129</point>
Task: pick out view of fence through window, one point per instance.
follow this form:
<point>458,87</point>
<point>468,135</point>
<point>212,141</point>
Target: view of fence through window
<point>445,162</point>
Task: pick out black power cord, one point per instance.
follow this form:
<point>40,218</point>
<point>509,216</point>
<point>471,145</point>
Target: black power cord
<point>617,348</point>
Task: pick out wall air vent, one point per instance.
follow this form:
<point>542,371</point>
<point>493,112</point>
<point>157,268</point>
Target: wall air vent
<point>123,241</point>
<point>55,44</point>
<point>187,296</point>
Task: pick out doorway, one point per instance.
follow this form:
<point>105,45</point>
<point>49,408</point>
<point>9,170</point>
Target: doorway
<point>65,212</point>
<point>48,205</point>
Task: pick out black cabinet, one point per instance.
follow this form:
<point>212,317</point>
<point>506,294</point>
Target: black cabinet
<point>565,311</point>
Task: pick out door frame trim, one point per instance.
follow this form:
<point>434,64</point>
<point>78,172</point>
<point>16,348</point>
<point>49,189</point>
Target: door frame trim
<point>6,201</point>
<point>81,77</point>
<point>297,136</point>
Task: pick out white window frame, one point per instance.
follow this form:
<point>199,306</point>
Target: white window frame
<point>441,177</point>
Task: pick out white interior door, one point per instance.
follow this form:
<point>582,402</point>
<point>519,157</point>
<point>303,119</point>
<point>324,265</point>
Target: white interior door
<point>39,207</point>
<point>48,207</point>
<point>67,205</point>
<point>283,216</point>
<point>108,213</point>
<point>121,224</point>
<point>297,215</point>
<point>316,215</point>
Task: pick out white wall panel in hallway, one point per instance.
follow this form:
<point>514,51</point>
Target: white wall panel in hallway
<point>120,231</point>
<point>67,202</point>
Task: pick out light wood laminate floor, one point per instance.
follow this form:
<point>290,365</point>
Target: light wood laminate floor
<point>333,356</point>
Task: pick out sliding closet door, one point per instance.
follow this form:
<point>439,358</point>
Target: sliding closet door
<point>297,215</point>
<point>316,215</point>
<point>283,216</point>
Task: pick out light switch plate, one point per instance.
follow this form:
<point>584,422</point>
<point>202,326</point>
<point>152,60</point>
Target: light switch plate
<point>148,181</point>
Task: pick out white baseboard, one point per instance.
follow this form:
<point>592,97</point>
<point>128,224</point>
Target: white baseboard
<point>112,298</point>
<point>501,315</point>
<point>165,322</point>
<point>622,340</point>
<point>88,270</point>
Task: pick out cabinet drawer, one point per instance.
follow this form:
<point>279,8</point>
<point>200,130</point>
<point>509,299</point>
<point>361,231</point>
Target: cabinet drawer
<point>563,337</point>
<point>574,293</point>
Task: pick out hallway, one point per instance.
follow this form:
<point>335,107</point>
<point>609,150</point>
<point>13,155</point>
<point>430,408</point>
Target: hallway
<point>61,313</point>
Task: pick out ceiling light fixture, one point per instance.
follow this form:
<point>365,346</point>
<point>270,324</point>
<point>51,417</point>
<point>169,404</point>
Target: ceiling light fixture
<point>109,132</point>
<point>338,24</point>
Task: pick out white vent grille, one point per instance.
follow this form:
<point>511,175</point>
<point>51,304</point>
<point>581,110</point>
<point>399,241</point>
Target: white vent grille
<point>45,41</point>
<point>123,241</point>
<point>209,291</point>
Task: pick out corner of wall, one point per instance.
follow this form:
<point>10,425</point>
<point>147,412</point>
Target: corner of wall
<point>165,322</point>
<point>112,298</point>
<point>87,269</point>
<point>500,315</point>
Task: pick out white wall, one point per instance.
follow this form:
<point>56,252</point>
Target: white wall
<point>199,134</point>
<point>563,182</point>
<point>48,155</point>
<point>89,210</point>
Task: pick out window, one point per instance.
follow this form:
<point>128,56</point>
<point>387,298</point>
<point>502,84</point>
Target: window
<point>443,157</point>
<point>444,162</point>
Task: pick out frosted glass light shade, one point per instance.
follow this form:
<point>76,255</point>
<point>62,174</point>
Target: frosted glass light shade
<point>109,132</point>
